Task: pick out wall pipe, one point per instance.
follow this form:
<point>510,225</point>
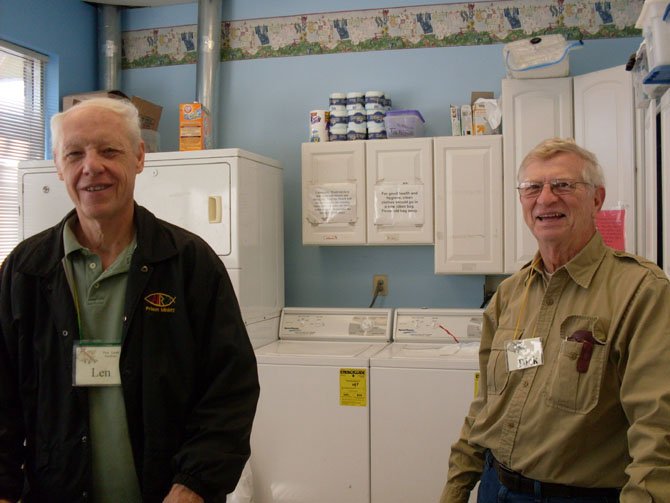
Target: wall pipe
<point>209,62</point>
<point>109,47</point>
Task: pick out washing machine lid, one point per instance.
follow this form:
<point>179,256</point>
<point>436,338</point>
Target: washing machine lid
<point>282,352</point>
<point>336,324</point>
<point>439,326</point>
<point>426,355</point>
<point>433,338</point>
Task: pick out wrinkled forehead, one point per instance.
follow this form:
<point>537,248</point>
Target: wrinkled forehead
<point>94,126</point>
<point>564,165</point>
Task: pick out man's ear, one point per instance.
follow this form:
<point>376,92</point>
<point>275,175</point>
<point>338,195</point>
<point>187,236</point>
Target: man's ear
<point>140,158</point>
<point>599,198</point>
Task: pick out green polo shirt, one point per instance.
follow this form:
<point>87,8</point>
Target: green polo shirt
<point>100,297</point>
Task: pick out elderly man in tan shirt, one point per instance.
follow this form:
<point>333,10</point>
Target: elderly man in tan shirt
<point>574,401</point>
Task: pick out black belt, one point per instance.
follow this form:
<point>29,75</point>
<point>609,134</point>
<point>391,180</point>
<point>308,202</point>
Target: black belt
<point>516,482</point>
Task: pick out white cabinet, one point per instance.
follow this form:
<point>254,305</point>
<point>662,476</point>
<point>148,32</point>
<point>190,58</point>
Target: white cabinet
<point>647,193</point>
<point>605,125</point>
<point>368,192</point>
<point>468,204</point>
<point>533,110</point>
<point>400,191</point>
<point>536,109</point>
<point>665,183</point>
<point>333,193</point>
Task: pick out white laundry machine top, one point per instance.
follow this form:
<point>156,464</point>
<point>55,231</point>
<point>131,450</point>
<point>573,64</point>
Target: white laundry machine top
<point>433,338</point>
<point>338,336</point>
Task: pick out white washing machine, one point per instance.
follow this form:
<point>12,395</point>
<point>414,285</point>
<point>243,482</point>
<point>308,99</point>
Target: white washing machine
<point>311,436</point>
<point>421,387</point>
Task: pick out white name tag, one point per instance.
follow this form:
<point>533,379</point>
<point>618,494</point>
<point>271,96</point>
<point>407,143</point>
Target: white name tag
<point>524,353</point>
<point>96,364</point>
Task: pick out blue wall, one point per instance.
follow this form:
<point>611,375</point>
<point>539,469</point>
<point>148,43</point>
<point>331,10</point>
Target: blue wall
<point>64,30</point>
<point>264,105</point>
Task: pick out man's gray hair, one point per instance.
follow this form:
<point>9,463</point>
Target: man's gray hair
<point>592,172</point>
<point>123,107</point>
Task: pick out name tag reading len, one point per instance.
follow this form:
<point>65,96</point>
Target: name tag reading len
<point>96,364</point>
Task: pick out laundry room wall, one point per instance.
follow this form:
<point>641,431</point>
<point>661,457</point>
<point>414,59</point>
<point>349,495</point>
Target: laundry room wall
<point>264,105</point>
<point>64,30</point>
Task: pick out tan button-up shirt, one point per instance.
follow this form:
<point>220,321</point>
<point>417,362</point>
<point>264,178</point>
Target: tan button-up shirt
<point>606,427</point>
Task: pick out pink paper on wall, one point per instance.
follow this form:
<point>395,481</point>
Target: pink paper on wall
<point>610,223</point>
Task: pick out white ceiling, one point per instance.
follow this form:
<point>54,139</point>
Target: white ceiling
<point>139,3</point>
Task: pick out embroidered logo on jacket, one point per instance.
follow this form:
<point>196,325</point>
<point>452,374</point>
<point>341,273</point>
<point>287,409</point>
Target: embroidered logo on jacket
<point>159,303</point>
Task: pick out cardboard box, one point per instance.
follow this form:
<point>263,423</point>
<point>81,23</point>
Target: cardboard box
<point>455,113</point>
<point>466,120</point>
<point>150,113</point>
<point>480,124</point>
<point>194,127</point>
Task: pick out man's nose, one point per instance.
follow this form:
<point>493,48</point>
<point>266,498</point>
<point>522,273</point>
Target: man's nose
<point>92,163</point>
<point>546,194</point>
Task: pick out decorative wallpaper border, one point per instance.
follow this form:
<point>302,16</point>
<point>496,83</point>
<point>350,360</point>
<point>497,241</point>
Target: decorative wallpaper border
<point>442,25</point>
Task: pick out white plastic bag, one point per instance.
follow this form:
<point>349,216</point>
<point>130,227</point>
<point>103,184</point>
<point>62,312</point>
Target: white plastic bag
<point>244,492</point>
<point>539,57</point>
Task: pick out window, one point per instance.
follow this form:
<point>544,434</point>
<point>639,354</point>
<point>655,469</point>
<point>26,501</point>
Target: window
<point>21,129</point>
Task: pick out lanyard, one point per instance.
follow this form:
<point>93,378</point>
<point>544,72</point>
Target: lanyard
<point>531,275</point>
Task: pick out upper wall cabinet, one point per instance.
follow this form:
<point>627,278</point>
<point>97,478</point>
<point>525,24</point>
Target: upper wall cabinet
<point>533,110</point>
<point>333,193</point>
<point>368,192</point>
<point>536,109</point>
<point>468,205</point>
<point>400,191</point>
<point>605,125</point>
<point>665,182</point>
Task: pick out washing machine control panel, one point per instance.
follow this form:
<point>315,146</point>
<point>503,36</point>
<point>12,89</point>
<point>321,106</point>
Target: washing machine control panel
<point>336,324</point>
<point>438,325</point>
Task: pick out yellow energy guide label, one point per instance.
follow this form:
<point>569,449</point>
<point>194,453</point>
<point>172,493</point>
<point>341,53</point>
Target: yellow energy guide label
<point>353,387</point>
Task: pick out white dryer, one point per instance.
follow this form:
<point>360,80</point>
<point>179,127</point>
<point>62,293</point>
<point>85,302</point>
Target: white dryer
<point>311,435</point>
<point>421,387</point>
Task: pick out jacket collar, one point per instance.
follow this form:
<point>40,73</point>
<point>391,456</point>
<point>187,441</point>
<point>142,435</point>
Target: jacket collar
<point>154,244</point>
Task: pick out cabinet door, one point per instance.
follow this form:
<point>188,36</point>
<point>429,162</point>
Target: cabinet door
<point>647,193</point>
<point>333,193</point>
<point>400,191</point>
<point>665,182</point>
<point>468,205</point>
<point>533,110</point>
<point>604,124</point>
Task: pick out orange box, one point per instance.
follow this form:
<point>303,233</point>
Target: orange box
<point>194,127</point>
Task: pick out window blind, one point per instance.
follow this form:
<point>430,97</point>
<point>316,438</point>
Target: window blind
<point>21,129</point>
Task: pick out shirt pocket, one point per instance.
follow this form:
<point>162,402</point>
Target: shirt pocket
<point>497,374</point>
<point>568,389</point>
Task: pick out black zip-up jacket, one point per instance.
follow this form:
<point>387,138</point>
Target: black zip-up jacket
<point>188,371</point>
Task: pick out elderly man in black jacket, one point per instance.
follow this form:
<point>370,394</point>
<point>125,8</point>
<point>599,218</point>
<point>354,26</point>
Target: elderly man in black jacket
<point>126,373</point>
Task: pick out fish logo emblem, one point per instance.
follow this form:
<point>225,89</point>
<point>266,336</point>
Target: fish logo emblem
<point>160,299</point>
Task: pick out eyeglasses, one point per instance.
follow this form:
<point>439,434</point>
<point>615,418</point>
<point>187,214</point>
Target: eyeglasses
<point>558,187</point>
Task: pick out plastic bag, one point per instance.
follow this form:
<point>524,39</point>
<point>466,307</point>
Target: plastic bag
<point>244,492</point>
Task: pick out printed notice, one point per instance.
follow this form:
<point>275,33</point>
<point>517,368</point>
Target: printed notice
<point>399,204</point>
<point>611,226</point>
<point>353,387</point>
<point>331,203</point>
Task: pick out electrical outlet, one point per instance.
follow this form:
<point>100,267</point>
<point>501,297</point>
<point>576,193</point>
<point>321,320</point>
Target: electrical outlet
<point>385,284</point>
